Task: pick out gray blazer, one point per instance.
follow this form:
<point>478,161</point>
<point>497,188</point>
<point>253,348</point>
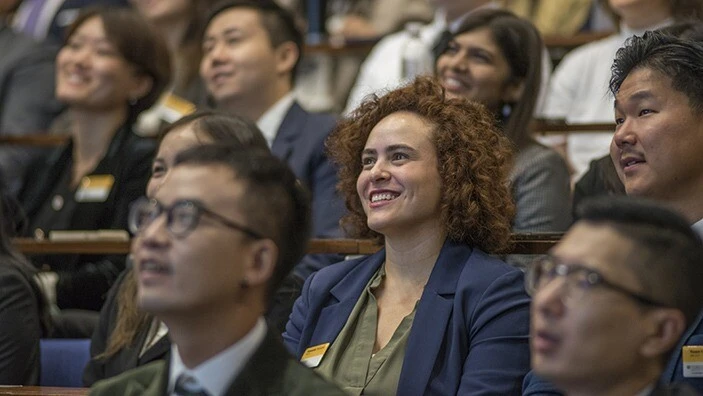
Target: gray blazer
<point>541,189</point>
<point>27,103</point>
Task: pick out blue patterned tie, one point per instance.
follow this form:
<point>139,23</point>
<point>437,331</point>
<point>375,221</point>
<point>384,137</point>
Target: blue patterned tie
<point>188,386</point>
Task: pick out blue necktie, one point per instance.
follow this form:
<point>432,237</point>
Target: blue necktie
<point>188,386</point>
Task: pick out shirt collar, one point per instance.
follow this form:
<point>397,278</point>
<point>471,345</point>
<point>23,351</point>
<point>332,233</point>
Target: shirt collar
<point>698,228</point>
<point>218,372</point>
<point>270,122</point>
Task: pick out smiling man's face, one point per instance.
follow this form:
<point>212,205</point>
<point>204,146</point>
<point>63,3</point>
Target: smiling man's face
<point>658,139</point>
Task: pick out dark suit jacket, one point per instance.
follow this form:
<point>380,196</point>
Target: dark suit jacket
<point>125,359</point>
<point>674,369</point>
<point>536,386</point>
<point>270,371</point>
<point>85,280</point>
<point>300,142</point>
<point>469,335</point>
<point>20,328</point>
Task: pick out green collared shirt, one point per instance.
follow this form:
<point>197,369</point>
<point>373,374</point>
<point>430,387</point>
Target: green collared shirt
<point>350,361</point>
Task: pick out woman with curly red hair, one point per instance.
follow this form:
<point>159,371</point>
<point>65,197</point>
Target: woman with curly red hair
<point>432,312</point>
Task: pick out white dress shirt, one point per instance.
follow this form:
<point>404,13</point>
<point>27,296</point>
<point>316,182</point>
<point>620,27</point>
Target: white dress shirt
<point>270,122</point>
<point>698,228</point>
<point>217,373</point>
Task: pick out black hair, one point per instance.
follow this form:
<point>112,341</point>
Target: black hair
<point>221,128</point>
<point>668,256</point>
<point>276,205</point>
<point>279,23</point>
<point>678,59</point>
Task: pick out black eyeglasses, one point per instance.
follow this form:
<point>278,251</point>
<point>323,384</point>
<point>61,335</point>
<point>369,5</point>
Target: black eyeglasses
<point>181,217</point>
<point>578,280</point>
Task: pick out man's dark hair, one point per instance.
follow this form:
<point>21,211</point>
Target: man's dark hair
<point>276,205</point>
<point>679,59</point>
<point>279,23</point>
<point>668,255</point>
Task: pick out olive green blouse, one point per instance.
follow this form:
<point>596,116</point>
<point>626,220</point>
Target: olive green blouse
<point>350,361</point>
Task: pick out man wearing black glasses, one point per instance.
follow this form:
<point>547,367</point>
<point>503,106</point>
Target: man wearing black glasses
<point>612,299</point>
<point>217,238</point>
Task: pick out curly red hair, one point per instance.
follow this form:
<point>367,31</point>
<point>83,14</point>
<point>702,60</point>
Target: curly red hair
<point>473,161</point>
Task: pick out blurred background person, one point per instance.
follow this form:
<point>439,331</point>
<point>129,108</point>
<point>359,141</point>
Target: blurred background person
<point>24,313</point>
<point>383,67</point>
<point>494,58</point>
<point>27,102</point>
<point>112,67</point>
<point>48,20</point>
<point>562,18</point>
<point>180,23</point>
<point>324,80</point>
<point>430,313</point>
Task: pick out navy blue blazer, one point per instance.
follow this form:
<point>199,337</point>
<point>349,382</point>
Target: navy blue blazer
<point>673,372</point>
<point>469,335</point>
<point>674,369</point>
<point>300,142</point>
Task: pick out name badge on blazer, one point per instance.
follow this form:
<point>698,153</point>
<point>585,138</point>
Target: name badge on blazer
<point>692,356</point>
<point>313,355</point>
<point>94,188</point>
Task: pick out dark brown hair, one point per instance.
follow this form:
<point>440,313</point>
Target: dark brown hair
<point>521,45</point>
<point>473,159</point>
<point>138,43</point>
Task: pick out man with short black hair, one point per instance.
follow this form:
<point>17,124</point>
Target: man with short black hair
<point>613,297</point>
<point>216,240</point>
<point>251,50</point>
<point>658,143</point>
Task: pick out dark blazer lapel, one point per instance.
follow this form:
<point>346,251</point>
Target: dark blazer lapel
<point>345,294</point>
<point>431,319</point>
<point>36,193</point>
<point>292,127</point>
<point>263,373</point>
<point>160,350</point>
